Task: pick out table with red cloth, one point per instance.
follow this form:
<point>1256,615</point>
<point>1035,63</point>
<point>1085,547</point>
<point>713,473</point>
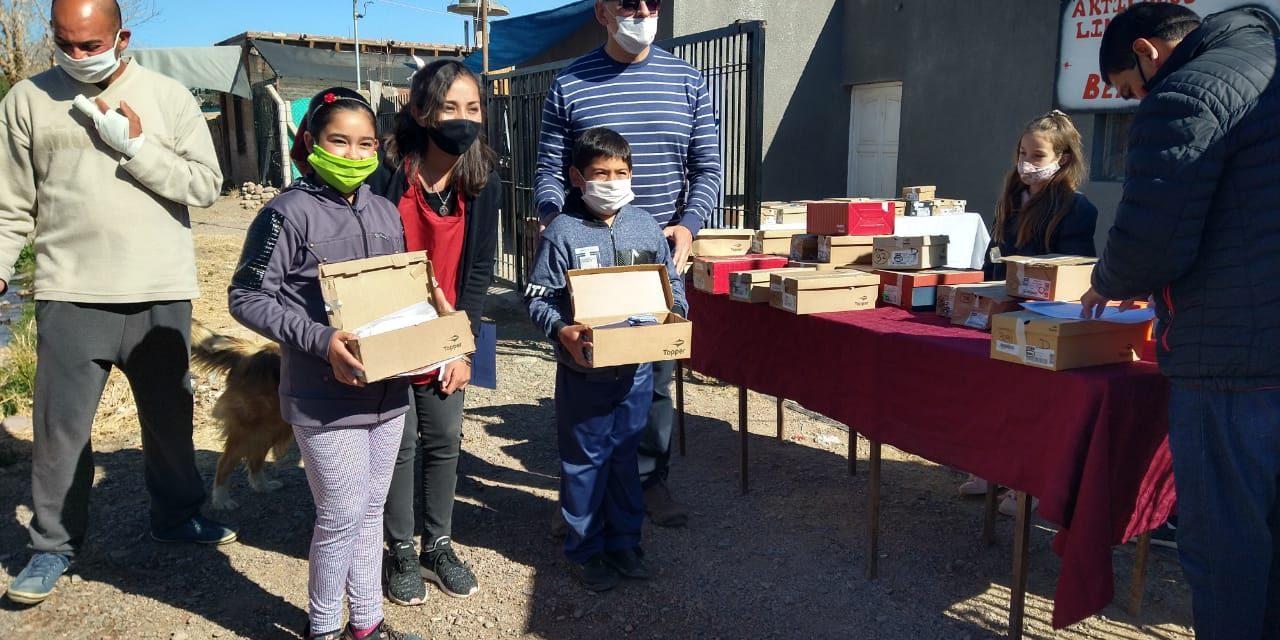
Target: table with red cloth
<point>1090,443</point>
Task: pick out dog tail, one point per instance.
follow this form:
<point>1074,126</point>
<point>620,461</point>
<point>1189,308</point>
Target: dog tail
<point>215,353</point>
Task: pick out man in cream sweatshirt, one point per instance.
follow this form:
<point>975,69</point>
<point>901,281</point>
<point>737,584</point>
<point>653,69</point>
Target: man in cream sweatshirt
<point>101,160</point>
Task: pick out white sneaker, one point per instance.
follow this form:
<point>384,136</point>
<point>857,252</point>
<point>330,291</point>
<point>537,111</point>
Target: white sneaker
<point>1009,503</point>
<point>974,486</point>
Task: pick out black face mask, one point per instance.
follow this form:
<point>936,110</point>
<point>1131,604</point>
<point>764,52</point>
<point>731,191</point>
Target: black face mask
<point>454,137</point>
<point>1145,82</point>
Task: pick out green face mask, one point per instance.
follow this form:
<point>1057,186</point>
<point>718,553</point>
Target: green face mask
<point>343,174</point>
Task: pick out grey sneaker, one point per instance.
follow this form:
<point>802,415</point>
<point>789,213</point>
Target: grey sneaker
<point>384,632</point>
<point>197,530</point>
<point>442,566</point>
<point>400,571</point>
<point>38,578</point>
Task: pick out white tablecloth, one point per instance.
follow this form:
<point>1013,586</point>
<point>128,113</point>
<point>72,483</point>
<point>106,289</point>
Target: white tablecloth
<point>967,232</point>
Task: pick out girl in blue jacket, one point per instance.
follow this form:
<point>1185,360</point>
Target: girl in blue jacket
<point>348,431</point>
<point>1041,209</point>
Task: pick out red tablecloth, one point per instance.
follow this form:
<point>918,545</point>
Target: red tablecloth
<point>1091,443</point>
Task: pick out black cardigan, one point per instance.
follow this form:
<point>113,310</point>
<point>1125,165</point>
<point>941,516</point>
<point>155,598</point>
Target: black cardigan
<point>479,236</point>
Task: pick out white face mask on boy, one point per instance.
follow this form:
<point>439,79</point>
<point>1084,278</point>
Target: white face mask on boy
<point>91,69</point>
<point>607,196</point>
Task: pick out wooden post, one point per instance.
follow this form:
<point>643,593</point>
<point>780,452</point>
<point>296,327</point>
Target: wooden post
<point>782,419</point>
<point>989,515</point>
<point>680,404</point>
<point>1138,583</point>
<point>1021,558</point>
<point>853,452</point>
<point>743,433</point>
<point>873,512</point>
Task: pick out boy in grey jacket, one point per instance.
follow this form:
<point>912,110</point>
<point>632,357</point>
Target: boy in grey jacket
<point>600,413</point>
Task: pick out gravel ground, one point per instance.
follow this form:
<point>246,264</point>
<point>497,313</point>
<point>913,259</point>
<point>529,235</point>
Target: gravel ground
<point>785,561</point>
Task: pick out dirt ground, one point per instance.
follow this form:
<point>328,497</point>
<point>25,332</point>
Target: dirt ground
<point>785,561</point>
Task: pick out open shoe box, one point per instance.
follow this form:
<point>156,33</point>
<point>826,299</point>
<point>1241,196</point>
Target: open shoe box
<point>359,292</point>
<point>612,294</point>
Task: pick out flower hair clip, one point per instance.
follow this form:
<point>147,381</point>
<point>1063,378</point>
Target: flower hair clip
<point>330,98</point>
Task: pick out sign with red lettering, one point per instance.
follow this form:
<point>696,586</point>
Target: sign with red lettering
<point>1080,86</point>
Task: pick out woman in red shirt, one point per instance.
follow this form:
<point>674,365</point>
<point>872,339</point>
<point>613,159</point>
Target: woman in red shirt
<point>439,173</point>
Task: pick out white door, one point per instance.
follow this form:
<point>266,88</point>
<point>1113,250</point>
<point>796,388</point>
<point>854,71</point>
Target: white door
<point>876,111</point>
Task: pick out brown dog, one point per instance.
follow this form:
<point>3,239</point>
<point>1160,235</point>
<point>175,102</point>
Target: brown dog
<point>248,410</point>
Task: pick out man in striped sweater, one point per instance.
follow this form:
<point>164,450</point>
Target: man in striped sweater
<point>661,105</point>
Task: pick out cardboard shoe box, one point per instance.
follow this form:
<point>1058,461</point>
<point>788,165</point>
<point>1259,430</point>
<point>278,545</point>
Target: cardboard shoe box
<point>753,286</point>
<point>776,241</point>
<point>1024,337</point>
<point>909,252</point>
<point>918,289</point>
<point>774,214</point>
<point>805,293</point>
<point>949,206</point>
<point>1049,277</point>
<point>374,298</point>
<point>804,246</point>
<point>723,242</point>
<point>605,298</point>
<point>975,304</point>
<point>919,208</point>
<point>946,295</point>
<point>811,264</point>
<point>841,250</point>
<point>916,194</point>
<point>840,218</point>
<point>712,274</point>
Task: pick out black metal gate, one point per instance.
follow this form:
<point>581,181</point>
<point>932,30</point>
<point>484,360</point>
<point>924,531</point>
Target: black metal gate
<point>731,60</point>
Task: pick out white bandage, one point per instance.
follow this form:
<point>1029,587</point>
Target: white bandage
<point>112,127</point>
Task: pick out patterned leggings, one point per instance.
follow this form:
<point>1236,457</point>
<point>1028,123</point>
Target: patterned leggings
<point>348,470</point>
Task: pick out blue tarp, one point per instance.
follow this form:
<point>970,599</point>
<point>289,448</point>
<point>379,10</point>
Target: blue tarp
<point>513,41</point>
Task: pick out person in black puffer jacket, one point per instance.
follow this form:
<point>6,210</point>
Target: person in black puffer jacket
<point>1198,228</point>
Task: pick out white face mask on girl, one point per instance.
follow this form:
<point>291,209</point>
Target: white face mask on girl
<point>1032,175</point>
<point>607,196</point>
<point>636,34</point>
<point>92,69</point>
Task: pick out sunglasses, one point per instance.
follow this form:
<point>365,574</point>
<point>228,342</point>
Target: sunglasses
<point>631,6</point>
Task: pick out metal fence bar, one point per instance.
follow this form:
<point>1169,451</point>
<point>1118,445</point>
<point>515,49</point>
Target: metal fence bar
<point>731,60</point>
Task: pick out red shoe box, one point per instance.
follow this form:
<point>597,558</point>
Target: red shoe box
<point>918,289</point>
<point>712,274</point>
<point>834,218</point>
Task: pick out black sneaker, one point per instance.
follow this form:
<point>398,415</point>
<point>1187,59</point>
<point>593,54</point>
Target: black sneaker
<point>596,574</point>
<point>384,632</point>
<point>340,634</point>
<point>197,530</point>
<point>442,566</point>
<point>400,572</point>
<point>629,563</point>
<point>1166,535</point>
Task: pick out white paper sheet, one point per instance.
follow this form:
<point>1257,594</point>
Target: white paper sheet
<point>407,317</point>
<point>1072,311</point>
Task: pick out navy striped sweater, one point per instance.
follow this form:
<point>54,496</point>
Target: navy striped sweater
<point>662,108</point>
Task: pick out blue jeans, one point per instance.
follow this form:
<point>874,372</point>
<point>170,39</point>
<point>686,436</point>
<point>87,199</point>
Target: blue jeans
<point>600,417</point>
<point>1226,463</point>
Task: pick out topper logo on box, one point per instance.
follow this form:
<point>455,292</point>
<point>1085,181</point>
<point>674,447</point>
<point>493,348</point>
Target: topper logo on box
<point>456,343</point>
<point>676,350</point>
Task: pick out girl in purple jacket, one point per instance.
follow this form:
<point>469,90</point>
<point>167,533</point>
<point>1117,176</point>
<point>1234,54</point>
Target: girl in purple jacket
<point>348,431</point>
